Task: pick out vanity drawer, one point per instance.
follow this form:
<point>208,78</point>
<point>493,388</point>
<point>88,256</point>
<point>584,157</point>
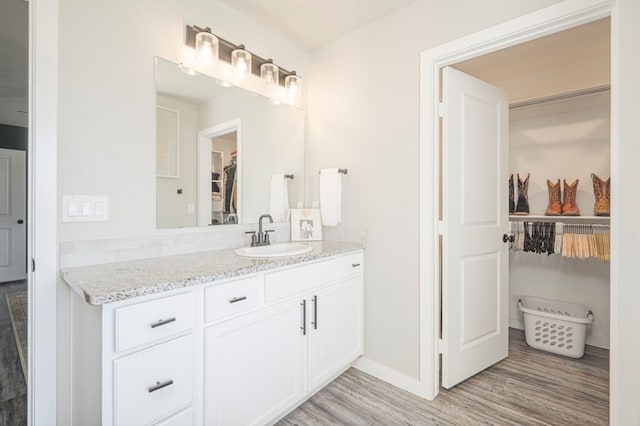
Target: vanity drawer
<point>350,264</point>
<point>153,383</point>
<point>231,298</point>
<point>150,321</point>
<point>281,284</point>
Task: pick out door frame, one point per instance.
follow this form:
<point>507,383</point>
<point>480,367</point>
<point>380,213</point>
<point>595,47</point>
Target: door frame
<point>42,217</point>
<point>204,164</point>
<point>552,19</point>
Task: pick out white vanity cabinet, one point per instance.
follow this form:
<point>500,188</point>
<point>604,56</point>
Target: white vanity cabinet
<point>241,351</point>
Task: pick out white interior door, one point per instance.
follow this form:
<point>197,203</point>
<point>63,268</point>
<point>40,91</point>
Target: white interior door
<point>13,229</point>
<point>475,260</point>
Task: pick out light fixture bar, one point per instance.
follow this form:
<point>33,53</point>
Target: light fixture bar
<point>226,47</point>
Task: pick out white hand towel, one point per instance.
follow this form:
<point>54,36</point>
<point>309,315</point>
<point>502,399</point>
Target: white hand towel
<point>279,198</point>
<point>330,197</point>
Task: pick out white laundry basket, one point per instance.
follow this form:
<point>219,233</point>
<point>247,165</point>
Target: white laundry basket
<point>553,326</point>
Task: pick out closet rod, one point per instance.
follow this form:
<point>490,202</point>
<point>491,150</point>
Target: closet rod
<point>560,96</point>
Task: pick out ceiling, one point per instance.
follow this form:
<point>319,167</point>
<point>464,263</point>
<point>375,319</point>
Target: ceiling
<point>566,61</point>
<point>14,45</point>
<point>312,24</point>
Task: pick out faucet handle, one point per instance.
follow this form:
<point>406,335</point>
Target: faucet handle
<point>254,239</point>
<point>266,235</point>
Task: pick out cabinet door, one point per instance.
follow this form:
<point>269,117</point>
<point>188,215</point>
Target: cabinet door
<point>335,331</point>
<point>254,366</point>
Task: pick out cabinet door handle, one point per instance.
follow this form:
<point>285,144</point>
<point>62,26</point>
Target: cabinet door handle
<point>237,299</point>
<point>163,322</point>
<point>159,386</point>
<point>315,313</point>
<point>304,317</point>
<point>355,265</point>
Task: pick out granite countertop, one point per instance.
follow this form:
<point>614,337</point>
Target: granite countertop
<point>112,282</point>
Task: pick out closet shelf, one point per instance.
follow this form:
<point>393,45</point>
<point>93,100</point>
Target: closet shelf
<point>600,220</point>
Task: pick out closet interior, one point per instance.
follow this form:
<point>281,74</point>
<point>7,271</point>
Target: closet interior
<point>559,128</point>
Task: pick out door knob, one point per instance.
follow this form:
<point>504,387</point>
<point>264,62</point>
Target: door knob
<point>508,238</point>
<point>20,221</point>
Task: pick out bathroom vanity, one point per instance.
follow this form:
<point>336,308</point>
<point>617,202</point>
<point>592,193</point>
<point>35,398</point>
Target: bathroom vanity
<point>212,338</point>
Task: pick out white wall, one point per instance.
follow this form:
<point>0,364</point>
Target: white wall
<point>107,97</point>
<point>565,139</point>
<point>363,115</point>
<point>171,207</point>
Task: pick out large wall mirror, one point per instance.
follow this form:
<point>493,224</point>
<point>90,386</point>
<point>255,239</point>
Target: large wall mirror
<point>217,149</point>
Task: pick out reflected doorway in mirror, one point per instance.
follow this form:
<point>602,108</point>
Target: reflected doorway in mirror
<point>306,225</point>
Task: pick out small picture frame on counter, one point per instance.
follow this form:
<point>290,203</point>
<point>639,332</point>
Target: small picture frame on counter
<point>306,225</point>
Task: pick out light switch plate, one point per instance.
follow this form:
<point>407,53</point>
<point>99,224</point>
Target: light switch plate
<point>85,208</point>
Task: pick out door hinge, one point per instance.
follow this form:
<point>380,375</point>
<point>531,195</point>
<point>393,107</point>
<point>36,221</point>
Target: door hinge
<point>441,227</point>
<point>441,109</point>
<point>33,265</point>
<point>440,346</point>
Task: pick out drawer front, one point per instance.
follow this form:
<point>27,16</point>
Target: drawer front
<point>231,298</point>
<point>183,418</point>
<point>153,383</point>
<point>350,264</point>
<point>281,284</point>
<point>150,321</point>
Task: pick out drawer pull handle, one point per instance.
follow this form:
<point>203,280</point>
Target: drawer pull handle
<point>159,386</point>
<point>304,317</point>
<point>315,313</point>
<point>355,265</point>
<point>163,322</point>
<point>237,299</point>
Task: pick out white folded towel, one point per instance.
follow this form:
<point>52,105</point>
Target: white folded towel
<point>330,197</point>
<point>279,198</point>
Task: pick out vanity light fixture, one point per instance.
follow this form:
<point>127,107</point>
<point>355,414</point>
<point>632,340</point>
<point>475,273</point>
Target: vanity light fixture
<point>241,61</point>
<point>206,47</point>
<point>269,72</point>
<point>292,84</point>
<point>246,63</point>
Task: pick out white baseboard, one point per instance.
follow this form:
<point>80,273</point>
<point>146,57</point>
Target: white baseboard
<point>597,340</point>
<point>390,376</point>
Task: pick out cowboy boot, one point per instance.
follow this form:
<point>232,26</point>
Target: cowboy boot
<point>569,206</point>
<point>555,205</point>
<point>602,192</point>
<point>522,208</point>
<point>512,202</point>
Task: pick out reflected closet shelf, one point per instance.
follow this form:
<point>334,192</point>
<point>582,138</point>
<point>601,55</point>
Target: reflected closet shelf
<point>600,220</point>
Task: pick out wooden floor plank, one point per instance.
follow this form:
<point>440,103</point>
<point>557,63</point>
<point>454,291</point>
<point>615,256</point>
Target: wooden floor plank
<point>530,387</point>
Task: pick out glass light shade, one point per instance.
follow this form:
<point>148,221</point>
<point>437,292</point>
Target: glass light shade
<point>269,73</point>
<point>293,85</point>
<point>241,61</point>
<point>206,47</point>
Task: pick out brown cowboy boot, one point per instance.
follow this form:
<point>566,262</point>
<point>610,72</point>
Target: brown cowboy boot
<point>569,206</point>
<point>522,208</point>
<point>555,205</point>
<point>602,192</point>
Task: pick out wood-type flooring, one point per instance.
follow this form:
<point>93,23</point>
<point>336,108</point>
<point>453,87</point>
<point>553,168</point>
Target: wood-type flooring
<point>530,387</point>
<point>13,388</point>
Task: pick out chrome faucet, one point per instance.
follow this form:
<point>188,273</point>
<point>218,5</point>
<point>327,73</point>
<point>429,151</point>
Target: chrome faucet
<point>262,239</point>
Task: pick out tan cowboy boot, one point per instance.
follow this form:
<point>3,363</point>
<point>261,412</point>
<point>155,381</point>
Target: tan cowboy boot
<point>555,205</point>
<point>569,206</point>
<point>602,192</point>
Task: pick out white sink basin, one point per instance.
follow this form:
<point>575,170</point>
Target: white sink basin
<point>274,250</point>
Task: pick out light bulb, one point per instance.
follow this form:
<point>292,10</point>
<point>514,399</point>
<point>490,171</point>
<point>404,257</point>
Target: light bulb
<point>293,89</point>
<point>206,47</point>
<point>241,67</point>
<point>268,76</point>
